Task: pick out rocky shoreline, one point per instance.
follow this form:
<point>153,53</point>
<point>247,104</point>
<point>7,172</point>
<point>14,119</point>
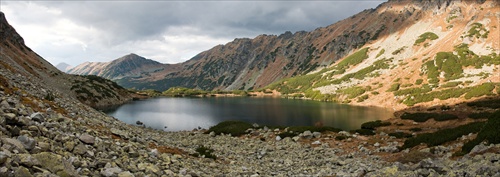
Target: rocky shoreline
<point>64,137</point>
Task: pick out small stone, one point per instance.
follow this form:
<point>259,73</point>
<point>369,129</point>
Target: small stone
<point>44,146</point>
<point>345,133</point>
<point>69,145</point>
<point>111,171</point>
<point>295,138</point>
<point>376,144</point>
<point>125,174</point>
<point>316,142</point>
<point>28,143</point>
<point>278,138</point>
<point>37,117</point>
<point>212,134</point>
<point>3,157</point>
<point>87,139</point>
<point>307,134</point>
<point>317,134</point>
<point>10,116</point>
<point>80,149</point>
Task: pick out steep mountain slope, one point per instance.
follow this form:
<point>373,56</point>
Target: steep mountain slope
<point>444,52</point>
<point>64,67</point>
<point>17,58</point>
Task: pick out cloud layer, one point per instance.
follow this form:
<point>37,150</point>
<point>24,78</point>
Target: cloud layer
<point>166,31</point>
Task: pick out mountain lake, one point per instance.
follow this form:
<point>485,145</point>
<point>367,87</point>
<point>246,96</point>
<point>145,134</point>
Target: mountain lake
<point>177,114</point>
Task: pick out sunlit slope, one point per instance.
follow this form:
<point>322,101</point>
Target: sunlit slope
<point>448,56</point>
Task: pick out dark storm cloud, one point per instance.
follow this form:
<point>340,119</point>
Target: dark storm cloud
<point>136,20</point>
<point>167,31</point>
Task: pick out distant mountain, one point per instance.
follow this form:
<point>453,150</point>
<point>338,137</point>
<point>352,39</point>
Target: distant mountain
<point>130,65</point>
<point>64,67</point>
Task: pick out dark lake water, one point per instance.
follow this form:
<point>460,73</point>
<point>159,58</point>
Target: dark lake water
<point>189,113</point>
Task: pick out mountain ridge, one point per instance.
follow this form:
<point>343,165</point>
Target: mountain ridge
<point>405,34</point>
<point>130,65</point>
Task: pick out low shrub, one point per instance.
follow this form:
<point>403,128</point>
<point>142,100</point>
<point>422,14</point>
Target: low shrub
<point>288,134</point>
<point>442,136</point>
<point>425,36</point>
<point>205,152</point>
<point>480,115</point>
<point>418,117</point>
<point>451,84</point>
<point>484,89</point>
<point>341,137</point>
<point>419,81</point>
<point>445,117</point>
<point>422,117</point>
<point>416,129</point>
<point>488,133</point>
<point>374,124</point>
<point>235,128</point>
<point>394,87</point>
<point>301,129</point>
<point>400,135</point>
<point>493,104</point>
<point>365,132</point>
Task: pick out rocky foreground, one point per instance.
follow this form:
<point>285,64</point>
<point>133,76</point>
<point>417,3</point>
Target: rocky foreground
<point>59,136</point>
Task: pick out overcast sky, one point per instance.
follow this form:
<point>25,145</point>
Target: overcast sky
<point>167,31</point>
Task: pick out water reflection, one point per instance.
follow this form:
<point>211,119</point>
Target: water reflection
<point>189,113</point>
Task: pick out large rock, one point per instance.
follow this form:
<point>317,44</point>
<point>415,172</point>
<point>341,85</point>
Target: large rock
<point>317,134</point>
<point>87,139</point>
<point>80,149</point>
<point>307,134</point>
<point>55,164</point>
<point>28,143</point>
<point>3,157</point>
<point>27,160</point>
<point>119,133</point>
<point>37,117</point>
<point>125,174</point>
<point>15,144</point>
<point>111,171</point>
<point>22,172</point>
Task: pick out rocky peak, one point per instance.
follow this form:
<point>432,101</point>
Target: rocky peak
<point>8,33</point>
